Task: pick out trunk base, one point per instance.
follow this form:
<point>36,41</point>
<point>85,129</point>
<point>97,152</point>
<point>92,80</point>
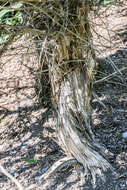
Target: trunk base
<point>73,122</point>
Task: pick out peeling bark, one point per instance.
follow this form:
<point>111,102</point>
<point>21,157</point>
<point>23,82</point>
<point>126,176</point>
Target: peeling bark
<point>71,73</point>
<point>73,123</point>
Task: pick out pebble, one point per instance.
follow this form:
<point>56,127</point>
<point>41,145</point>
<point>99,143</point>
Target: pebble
<point>116,120</point>
<point>124,135</point>
<point>25,143</point>
<point>37,178</point>
<point>24,149</point>
<point>13,171</point>
<point>44,170</point>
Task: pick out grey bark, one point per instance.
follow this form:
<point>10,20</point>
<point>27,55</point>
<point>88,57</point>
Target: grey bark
<point>71,72</point>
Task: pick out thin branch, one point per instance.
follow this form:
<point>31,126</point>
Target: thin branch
<point>66,161</point>
<point>11,177</point>
<point>110,76</point>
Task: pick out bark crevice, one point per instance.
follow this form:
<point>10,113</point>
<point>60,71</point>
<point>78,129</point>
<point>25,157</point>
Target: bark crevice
<point>71,72</point>
<point>73,123</point>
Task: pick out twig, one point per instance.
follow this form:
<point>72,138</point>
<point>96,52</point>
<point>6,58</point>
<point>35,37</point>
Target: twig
<point>109,76</point>
<point>11,177</point>
<point>42,50</point>
<point>58,165</point>
<point>124,175</point>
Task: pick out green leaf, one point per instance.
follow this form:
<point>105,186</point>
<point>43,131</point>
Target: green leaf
<point>30,161</point>
<point>3,13</point>
<point>14,6</point>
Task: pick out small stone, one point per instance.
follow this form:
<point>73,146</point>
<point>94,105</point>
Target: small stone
<point>13,171</point>
<point>124,135</point>
<point>25,143</point>
<point>116,120</point>
<point>44,170</point>
<point>24,149</point>
<point>37,178</point>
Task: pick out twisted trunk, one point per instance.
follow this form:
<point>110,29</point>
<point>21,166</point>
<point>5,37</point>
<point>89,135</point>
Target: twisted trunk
<point>71,73</point>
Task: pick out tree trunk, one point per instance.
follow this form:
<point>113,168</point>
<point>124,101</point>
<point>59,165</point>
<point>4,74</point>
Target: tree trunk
<point>71,73</point>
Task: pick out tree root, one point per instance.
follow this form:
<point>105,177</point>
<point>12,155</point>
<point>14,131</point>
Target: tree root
<point>66,161</point>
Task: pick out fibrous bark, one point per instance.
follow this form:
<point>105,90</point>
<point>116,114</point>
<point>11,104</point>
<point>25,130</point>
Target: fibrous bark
<point>71,72</point>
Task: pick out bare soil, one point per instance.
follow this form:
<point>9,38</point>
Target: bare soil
<point>28,142</point>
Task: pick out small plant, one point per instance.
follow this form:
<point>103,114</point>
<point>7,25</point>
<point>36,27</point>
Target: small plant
<point>1,121</point>
<point>30,161</point>
<point>10,16</point>
<point>109,3</point>
<point>14,19</point>
<point>118,134</point>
